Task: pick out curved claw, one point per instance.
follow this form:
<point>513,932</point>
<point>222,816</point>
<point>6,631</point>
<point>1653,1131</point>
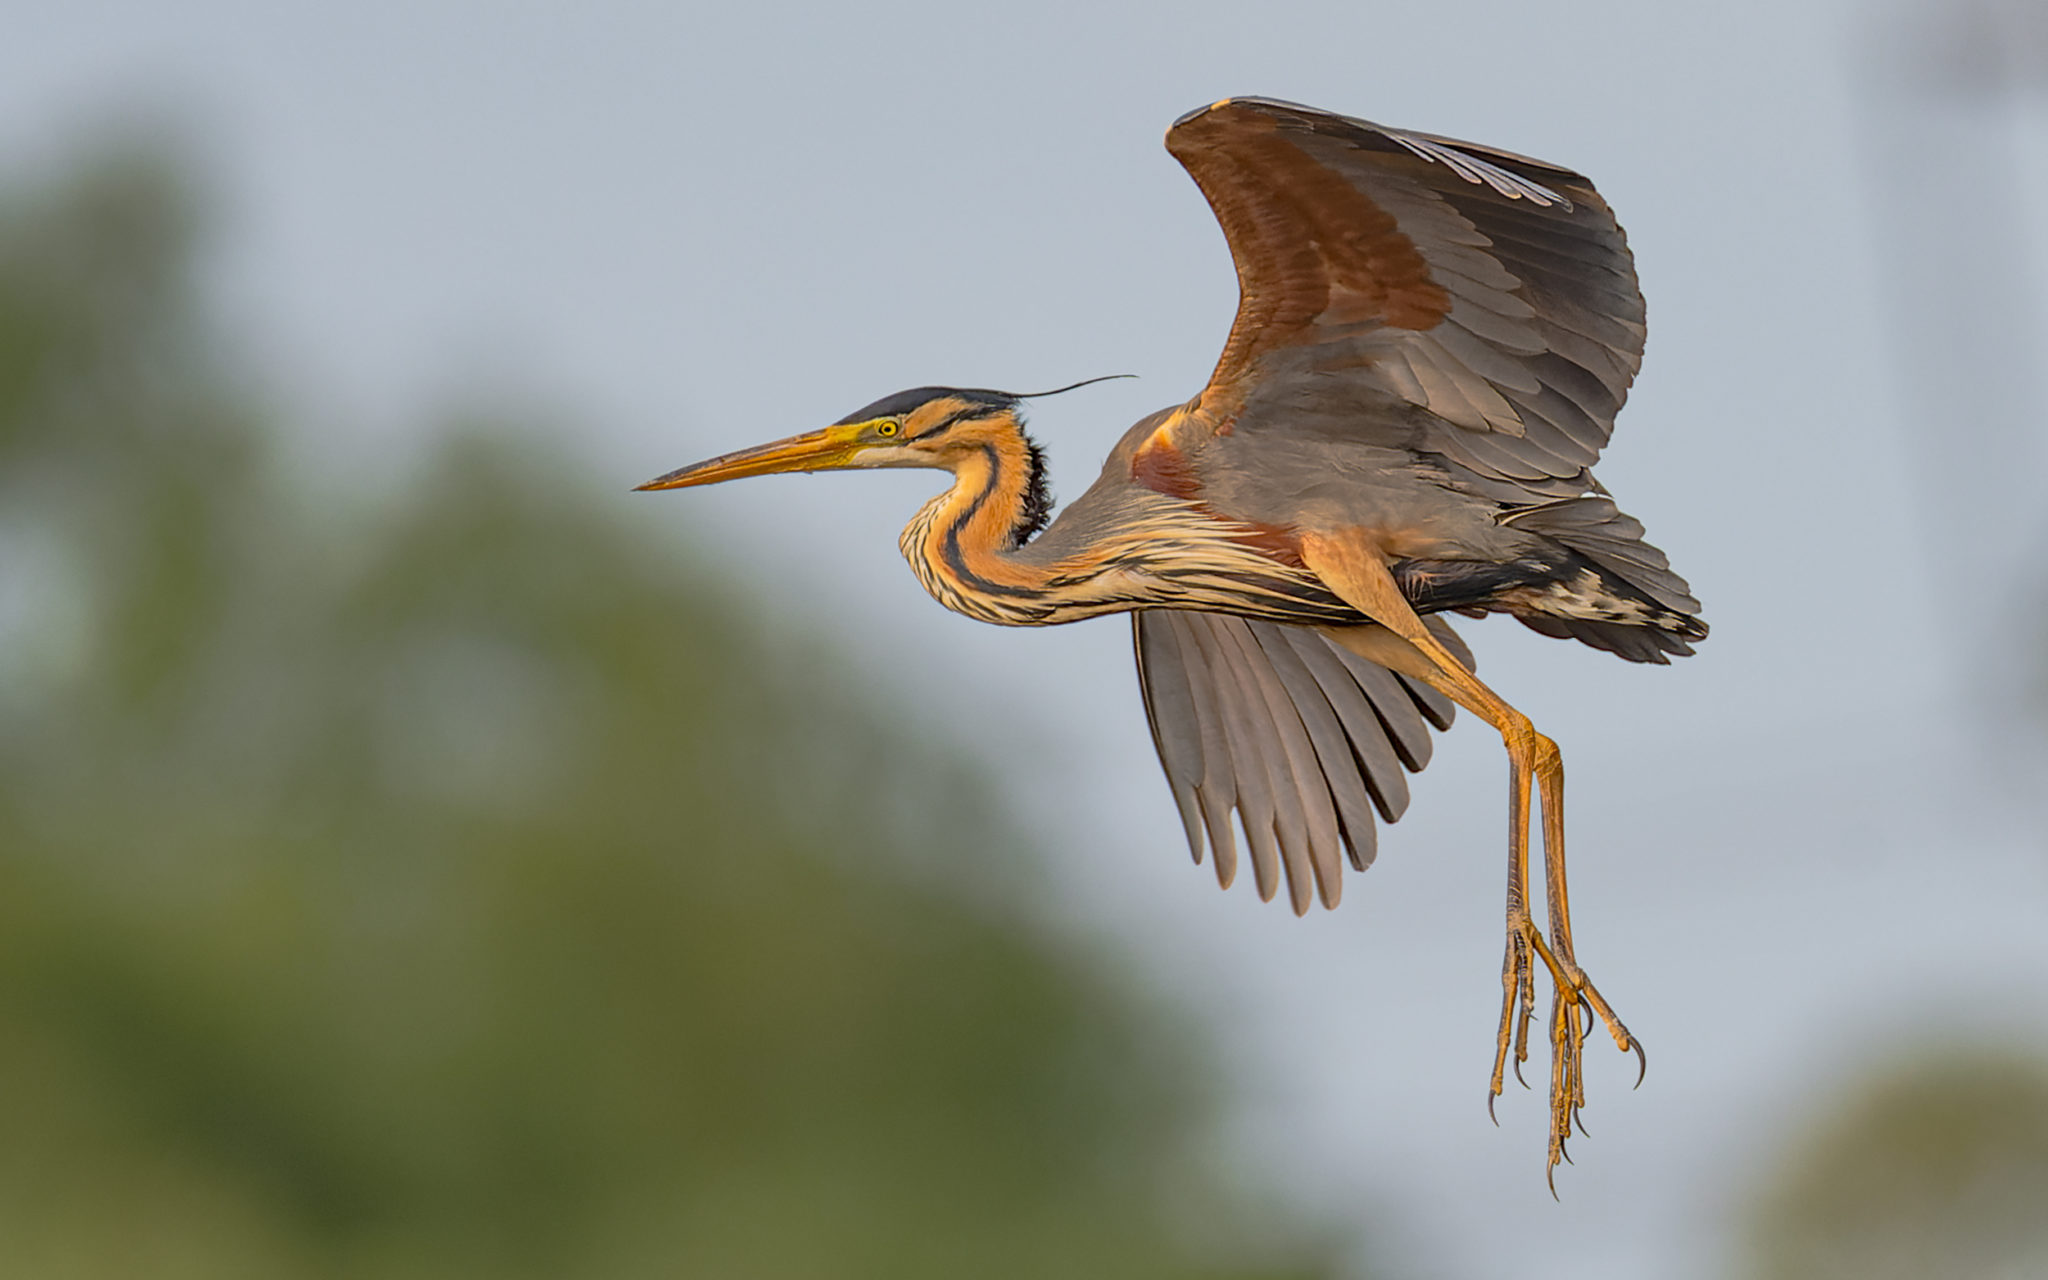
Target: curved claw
<point>1550,1176</point>
<point>1516,1063</point>
<point>1642,1060</point>
<point>1490,1095</point>
<point>1580,1121</point>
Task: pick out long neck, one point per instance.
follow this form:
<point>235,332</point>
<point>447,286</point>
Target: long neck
<point>962,543</point>
<point>1141,550</point>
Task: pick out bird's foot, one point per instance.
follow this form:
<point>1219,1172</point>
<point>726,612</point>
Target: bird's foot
<point>1574,1005</point>
<point>1517,1007</point>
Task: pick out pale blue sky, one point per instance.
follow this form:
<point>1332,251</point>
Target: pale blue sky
<point>696,227</point>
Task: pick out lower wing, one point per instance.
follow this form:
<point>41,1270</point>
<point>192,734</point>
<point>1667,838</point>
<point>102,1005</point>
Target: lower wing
<point>1303,740</point>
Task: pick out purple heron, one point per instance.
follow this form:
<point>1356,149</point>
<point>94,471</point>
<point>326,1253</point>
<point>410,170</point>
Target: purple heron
<point>1432,341</point>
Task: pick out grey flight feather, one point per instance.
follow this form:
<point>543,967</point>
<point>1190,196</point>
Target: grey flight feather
<point>1304,824</point>
<point>1298,737</point>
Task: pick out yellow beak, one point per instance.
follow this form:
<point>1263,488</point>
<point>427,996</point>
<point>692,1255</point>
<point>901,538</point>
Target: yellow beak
<point>826,450</point>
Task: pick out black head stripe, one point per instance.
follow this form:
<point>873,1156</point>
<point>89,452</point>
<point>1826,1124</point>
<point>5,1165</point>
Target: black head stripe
<point>904,402</point>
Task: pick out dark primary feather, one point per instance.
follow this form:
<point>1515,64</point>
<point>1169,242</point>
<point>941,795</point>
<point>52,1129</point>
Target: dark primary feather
<point>1301,740</point>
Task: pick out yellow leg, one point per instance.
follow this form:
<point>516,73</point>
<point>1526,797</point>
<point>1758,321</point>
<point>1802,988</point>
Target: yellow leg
<point>1352,568</point>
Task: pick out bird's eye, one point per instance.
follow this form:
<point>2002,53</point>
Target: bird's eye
<point>885,428</point>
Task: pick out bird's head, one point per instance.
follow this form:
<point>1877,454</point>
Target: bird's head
<point>925,427</point>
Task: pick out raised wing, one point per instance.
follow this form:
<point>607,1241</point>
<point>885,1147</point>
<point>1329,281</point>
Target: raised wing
<point>1302,740</point>
<point>1494,291</point>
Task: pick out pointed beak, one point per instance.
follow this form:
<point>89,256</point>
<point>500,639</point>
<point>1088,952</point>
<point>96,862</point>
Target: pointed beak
<point>826,450</point>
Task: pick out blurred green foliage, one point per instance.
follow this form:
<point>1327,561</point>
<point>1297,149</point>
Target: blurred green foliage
<point>457,884</point>
<point>1936,1170</point>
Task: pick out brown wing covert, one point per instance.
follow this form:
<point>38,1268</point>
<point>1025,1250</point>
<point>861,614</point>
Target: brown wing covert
<point>1376,266</point>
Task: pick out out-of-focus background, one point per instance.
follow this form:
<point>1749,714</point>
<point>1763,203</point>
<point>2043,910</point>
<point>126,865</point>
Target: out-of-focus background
<point>420,857</point>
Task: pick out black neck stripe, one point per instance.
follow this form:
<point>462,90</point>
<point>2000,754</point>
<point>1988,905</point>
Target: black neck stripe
<point>950,421</point>
<point>949,542</point>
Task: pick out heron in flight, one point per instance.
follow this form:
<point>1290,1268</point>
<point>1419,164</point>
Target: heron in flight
<point>1432,341</point>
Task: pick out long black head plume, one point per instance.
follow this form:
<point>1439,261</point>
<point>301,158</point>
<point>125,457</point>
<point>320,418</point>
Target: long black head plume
<point>1071,386</point>
<point>903,402</point>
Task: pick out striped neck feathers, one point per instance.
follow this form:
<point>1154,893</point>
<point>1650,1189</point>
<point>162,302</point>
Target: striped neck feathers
<point>960,542</point>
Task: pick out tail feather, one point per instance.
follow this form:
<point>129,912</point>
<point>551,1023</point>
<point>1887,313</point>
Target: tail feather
<point>1613,540</point>
<point>1615,592</point>
<point>1635,643</point>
